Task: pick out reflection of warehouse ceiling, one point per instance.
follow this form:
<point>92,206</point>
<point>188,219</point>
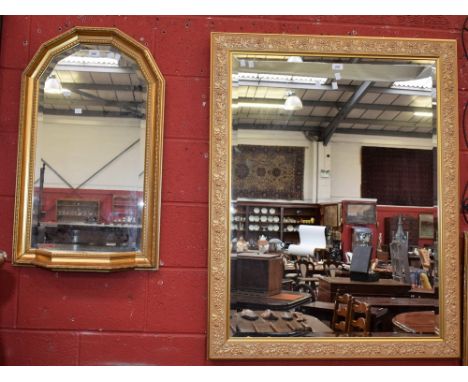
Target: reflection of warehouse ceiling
<point>94,85</point>
<point>366,101</point>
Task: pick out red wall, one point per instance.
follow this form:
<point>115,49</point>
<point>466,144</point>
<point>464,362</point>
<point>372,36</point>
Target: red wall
<point>140,317</point>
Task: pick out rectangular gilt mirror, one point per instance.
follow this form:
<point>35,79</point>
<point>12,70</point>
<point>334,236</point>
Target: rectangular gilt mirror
<point>334,198</point>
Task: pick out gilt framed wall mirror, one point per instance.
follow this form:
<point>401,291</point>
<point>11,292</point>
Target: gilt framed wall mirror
<point>325,151</point>
<point>90,151</point>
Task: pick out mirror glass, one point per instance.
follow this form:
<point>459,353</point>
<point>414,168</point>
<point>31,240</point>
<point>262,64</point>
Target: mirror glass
<point>333,218</point>
<point>90,152</point>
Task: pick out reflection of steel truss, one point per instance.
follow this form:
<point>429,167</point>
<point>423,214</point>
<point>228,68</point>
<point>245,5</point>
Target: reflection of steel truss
<point>62,178</point>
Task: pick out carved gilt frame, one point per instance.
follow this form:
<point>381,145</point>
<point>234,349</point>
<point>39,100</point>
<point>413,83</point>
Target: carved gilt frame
<point>148,256</point>
<point>220,345</point>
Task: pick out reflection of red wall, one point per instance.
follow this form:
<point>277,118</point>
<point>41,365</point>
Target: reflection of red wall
<point>51,195</point>
<point>382,213</point>
<point>146,317</point>
<point>389,211</point>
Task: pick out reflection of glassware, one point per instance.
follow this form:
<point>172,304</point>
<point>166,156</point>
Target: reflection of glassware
<point>399,255</point>
<point>262,244</point>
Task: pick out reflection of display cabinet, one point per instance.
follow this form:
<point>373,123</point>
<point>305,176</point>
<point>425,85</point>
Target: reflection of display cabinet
<point>125,209</point>
<point>273,220</point>
<point>77,210</point>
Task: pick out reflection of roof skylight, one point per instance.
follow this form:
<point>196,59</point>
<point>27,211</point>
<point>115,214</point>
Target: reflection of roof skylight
<point>422,83</point>
<point>278,78</point>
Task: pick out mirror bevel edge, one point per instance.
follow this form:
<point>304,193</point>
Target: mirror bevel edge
<point>220,346</point>
<point>148,256</point>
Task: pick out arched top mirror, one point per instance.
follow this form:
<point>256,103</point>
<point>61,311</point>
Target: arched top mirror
<point>90,151</point>
<point>334,201</point>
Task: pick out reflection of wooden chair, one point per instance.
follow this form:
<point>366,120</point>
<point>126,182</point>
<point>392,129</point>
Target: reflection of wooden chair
<point>306,281</point>
<point>341,313</point>
<point>332,268</point>
<point>360,317</point>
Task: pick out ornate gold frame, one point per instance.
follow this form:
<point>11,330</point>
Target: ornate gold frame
<point>148,257</point>
<point>220,346</point>
<point>465,301</point>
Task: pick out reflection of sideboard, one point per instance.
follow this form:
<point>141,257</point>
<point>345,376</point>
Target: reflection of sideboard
<point>85,235</point>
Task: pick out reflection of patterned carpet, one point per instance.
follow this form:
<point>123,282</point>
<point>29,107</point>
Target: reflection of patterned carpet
<point>268,172</point>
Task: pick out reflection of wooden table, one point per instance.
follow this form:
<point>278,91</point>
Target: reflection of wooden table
<point>329,286</point>
<point>401,303</point>
<point>426,322</point>
<point>282,301</point>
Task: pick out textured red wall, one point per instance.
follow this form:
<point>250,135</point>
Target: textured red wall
<point>140,317</point>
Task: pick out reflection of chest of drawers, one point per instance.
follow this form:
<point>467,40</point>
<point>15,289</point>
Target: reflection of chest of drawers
<point>257,273</point>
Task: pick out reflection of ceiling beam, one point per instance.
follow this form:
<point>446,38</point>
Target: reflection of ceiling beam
<point>107,87</point>
<point>74,102</point>
<point>363,121</point>
<point>92,113</point>
<point>99,99</point>
<point>344,111</point>
<point>347,88</point>
<point>316,131</point>
<point>337,104</point>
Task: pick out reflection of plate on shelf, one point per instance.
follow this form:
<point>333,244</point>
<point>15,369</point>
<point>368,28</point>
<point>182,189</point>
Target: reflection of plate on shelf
<point>256,210</point>
<point>290,228</point>
<point>251,218</point>
<point>276,219</point>
<point>272,211</point>
<point>263,219</point>
<point>276,227</point>
<point>270,219</point>
<point>264,210</point>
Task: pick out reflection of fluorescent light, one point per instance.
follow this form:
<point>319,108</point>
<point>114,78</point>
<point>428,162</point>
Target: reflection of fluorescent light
<point>295,59</point>
<point>423,113</point>
<point>91,61</point>
<point>259,105</point>
<point>422,83</point>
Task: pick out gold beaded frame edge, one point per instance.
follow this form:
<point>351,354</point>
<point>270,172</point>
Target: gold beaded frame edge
<point>148,257</point>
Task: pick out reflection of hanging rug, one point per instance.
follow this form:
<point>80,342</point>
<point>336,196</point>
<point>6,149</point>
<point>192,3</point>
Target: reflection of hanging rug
<point>268,172</point>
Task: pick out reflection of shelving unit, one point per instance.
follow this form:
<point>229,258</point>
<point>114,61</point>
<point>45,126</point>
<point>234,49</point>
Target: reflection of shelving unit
<point>77,210</point>
<point>273,220</point>
<point>125,208</point>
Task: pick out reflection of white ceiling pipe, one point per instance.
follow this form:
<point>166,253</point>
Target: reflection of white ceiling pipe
<point>384,72</point>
